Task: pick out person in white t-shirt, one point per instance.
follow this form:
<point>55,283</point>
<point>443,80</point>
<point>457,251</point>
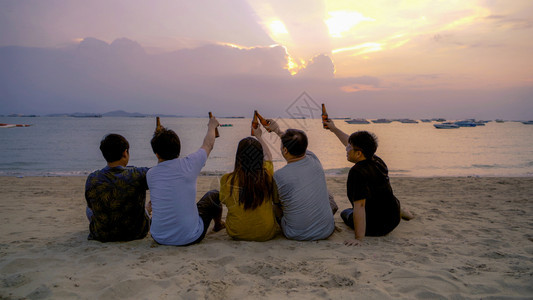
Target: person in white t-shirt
<point>176,217</point>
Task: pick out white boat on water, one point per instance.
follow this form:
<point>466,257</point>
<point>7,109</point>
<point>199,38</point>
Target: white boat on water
<point>357,121</point>
<point>530,122</point>
<point>446,125</point>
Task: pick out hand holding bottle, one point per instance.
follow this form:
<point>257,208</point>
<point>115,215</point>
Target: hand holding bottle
<point>255,123</point>
<point>158,126</point>
<point>213,123</point>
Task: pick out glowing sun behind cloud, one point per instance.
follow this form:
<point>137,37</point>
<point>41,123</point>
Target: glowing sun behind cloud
<point>277,28</point>
<point>340,22</point>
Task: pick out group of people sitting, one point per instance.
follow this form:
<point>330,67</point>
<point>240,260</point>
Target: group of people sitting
<point>261,202</point>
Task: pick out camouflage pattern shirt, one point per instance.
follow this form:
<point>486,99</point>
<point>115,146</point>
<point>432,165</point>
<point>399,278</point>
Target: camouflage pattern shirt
<point>117,198</point>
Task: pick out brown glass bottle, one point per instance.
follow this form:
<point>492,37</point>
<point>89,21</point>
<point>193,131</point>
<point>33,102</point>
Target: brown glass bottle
<point>263,121</point>
<point>158,126</point>
<point>255,123</point>
<point>324,116</point>
<point>216,129</point>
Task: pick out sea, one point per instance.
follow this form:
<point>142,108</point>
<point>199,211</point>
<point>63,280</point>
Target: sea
<point>69,146</point>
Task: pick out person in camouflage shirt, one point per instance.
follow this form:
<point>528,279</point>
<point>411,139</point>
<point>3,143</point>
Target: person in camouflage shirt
<point>116,195</point>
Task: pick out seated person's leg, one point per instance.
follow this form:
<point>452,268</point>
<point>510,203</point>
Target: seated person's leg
<point>347,217</point>
<point>332,203</point>
<point>88,213</point>
<point>209,208</point>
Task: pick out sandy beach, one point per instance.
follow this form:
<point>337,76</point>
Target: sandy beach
<point>472,238</point>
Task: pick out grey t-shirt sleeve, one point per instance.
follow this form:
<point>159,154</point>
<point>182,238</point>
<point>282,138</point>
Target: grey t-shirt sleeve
<point>313,156</point>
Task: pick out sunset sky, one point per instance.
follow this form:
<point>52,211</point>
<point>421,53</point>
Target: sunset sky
<point>469,49</point>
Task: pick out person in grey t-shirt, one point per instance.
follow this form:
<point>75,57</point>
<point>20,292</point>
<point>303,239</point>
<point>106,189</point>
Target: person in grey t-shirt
<point>306,207</point>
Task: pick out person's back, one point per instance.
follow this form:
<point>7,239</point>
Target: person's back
<point>375,210</point>
<point>116,196</point>
<point>369,179</point>
<point>307,213</point>
<point>257,224</point>
<point>249,192</point>
<point>175,219</point>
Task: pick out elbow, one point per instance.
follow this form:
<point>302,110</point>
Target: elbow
<point>360,204</point>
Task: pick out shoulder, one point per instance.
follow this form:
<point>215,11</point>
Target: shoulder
<point>93,174</point>
<point>355,171</point>
<point>201,153</point>
<point>140,170</point>
<point>93,178</point>
<point>224,178</point>
<point>199,156</point>
<point>281,172</point>
<point>378,161</point>
<point>311,155</point>
<point>136,171</point>
<point>269,166</point>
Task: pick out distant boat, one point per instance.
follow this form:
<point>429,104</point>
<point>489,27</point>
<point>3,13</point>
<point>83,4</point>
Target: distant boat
<point>407,121</point>
<point>3,125</point>
<point>446,125</point>
<point>357,121</point>
<point>530,122</point>
<point>381,121</point>
<point>439,120</point>
<point>425,120</point>
<point>499,121</point>
<point>226,125</point>
<point>465,123</point>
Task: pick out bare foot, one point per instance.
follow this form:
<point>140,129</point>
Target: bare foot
<point>406,214</point>
<point>219,226</point>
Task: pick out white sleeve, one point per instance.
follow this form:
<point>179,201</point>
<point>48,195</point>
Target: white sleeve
<point>196,161</point>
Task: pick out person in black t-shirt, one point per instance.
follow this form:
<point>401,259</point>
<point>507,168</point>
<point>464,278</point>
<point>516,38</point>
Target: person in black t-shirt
<point>376,211</point>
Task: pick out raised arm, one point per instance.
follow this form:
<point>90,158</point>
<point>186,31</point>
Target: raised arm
<point>266,149</point>
<point>343,137</point>
<point>274,127</point>
<point>209,140</point>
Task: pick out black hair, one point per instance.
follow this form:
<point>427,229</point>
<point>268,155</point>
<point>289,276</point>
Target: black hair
<point>166,144</point>
<point>255,184</point>
<point>295,141</point>
<point>366,141</point>
<point>113,146</point>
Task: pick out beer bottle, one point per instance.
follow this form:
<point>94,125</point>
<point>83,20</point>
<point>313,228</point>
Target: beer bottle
<point>324,116</point>
<point>216,129</point>
<point>263,121</point>
<point>158,126</point>
<point>255,123</point>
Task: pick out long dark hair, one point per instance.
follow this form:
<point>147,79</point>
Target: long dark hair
<point>255,184</point>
